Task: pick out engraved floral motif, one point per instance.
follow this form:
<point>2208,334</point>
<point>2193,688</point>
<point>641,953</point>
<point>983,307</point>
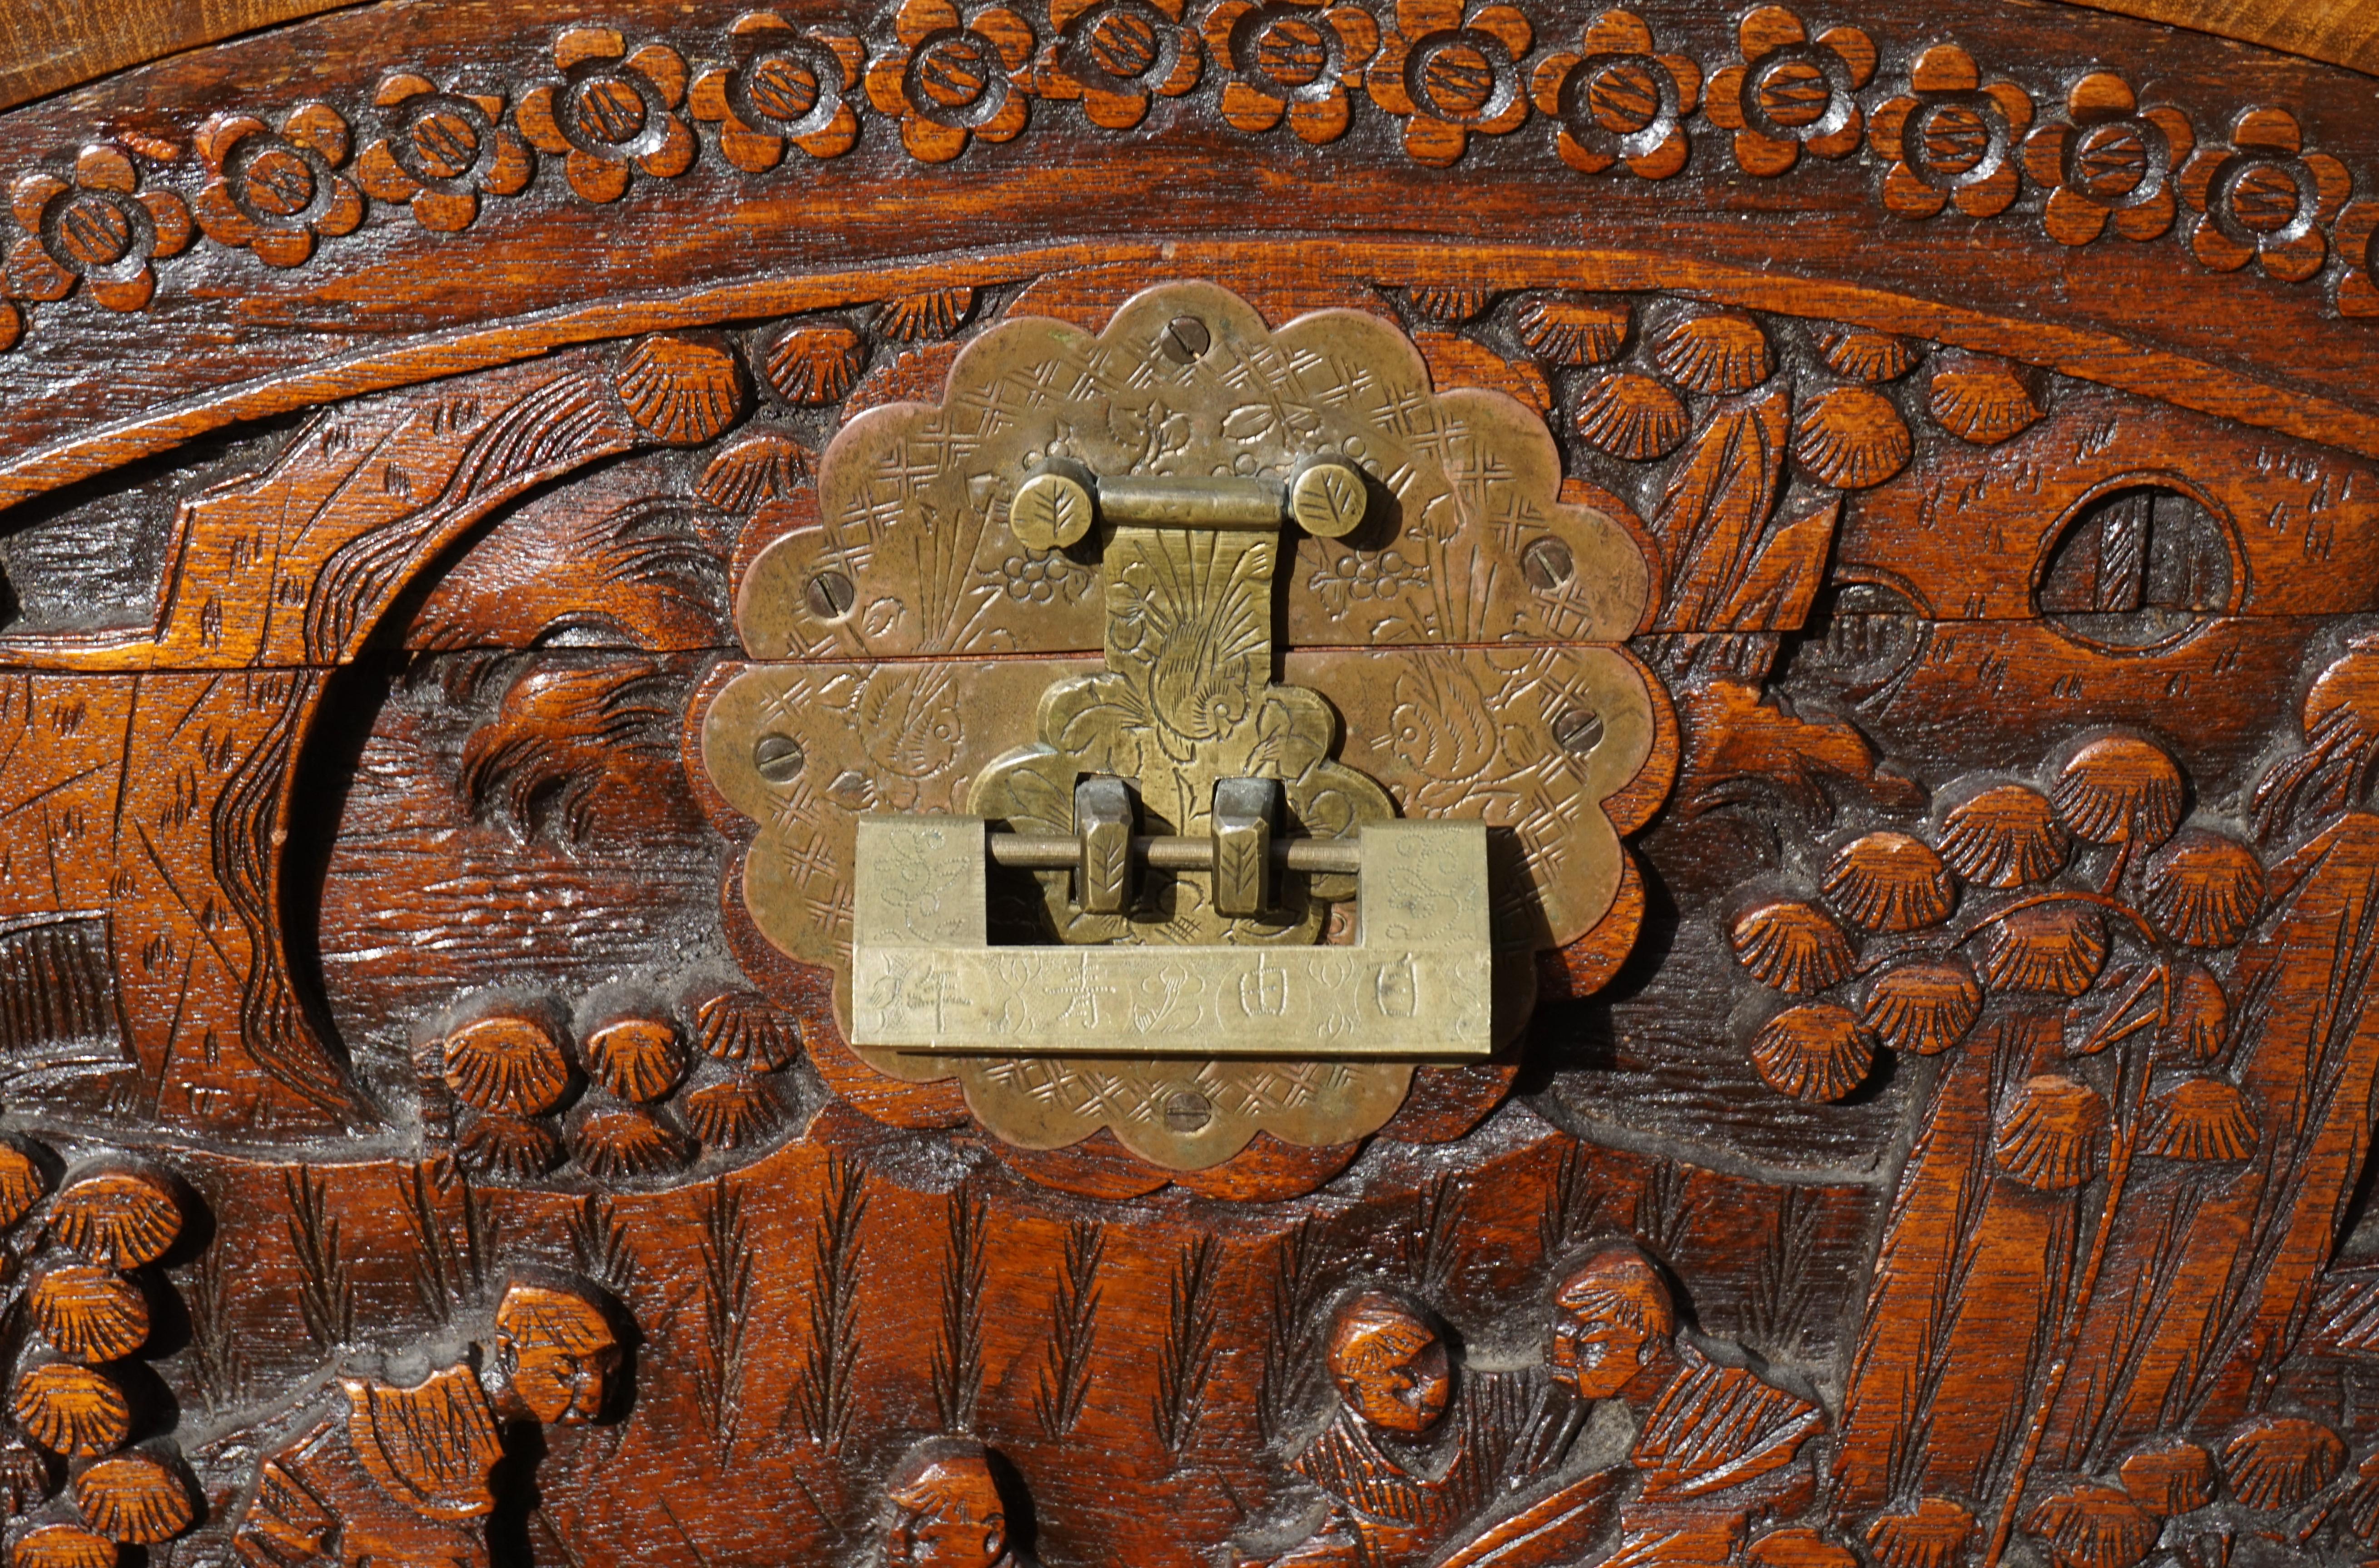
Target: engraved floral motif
<point>780,86</point>
<point>1617,100</point>
<point>1447,73</point>
<point>1114,55</point>
<point>955,75</point>
<point>2110,165</point>
<point>2357,246</point>
<point>1790,92</point>
<point>99,229</point>
<point>1291,60</point>
<point>610,114</point>
<point>1951,137</point>
<point>2262,197</point>
<point>275,193</point>
<point>1353,578</point>
<point>439,150</point>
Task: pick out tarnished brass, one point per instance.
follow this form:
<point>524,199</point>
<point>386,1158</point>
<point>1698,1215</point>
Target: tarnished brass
<point>1091,544</point>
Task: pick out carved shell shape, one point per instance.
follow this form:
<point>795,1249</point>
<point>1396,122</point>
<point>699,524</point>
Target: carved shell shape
<point>810,367</point>
<point>2201,1119</point>
<point>496,1144</point>
<point>732,1113</point>
<point>62,1546</point>
<point>23,1182</point>
<point>138,1498</point>
<point>1890,882</point>
<point>1982,401</point>
<point>1720,351</point>
<point>1850,438</point>
<point>936,313</point>
<point>2169,1477</point>
<point>2201,1017</point>
<point>2094,1527</point>
<point>1815,1052</point>
<point>2057,948</point>
<point>73,1411</point>
<point>1448,305</point>
<point>1573,332</point>
<point>2279,1461</point>
<point>755,469</point>
<point>1929,1536</point>
<point>627,1142</point>
<point>90,1314</point>
<point>740,1026</point>
<point>1631,417</point>
<point>681,391</point>
<point>1925,1007</point>
<point>2119,790</point>
<point>636,1059</point>
<point>2049,1135</point>
<point>2203,891</point>
<point>1792,945</point>
<point>123,1218</point>
<point>1865,356</point>
<point>507,1062</point>
<point>1798,1546</point>
<point>2004,837</point>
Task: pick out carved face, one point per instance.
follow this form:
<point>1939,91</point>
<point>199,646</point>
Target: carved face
<point>1390,1366</point>
<point>950,1516</point>
<point>559,1352</point>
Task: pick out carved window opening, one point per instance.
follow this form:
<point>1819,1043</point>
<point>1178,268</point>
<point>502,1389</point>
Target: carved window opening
<point>2135,568</point>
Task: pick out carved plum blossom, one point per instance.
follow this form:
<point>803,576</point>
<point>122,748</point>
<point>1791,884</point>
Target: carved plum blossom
<point>99,229</point>
<point>1291,60</point>
<point>2112,164</point>
<point>954,77</point>
<point>1116,55</point>
<point>1617,102</point>
<point>1951,137</point>
<point>439,150</point>
<point>1447,74</point>
<point>609,112</point>
<point>1789,92</point>
<point>2262,197</point>
<point>2358,245</point>
<point>781,85</point>
<point>275,193</point>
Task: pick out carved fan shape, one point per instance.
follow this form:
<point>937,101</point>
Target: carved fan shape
<point>1850,438</point>
<point>2094,1527</point>
<point>498,1144</point>
<point>2004,838</point>
<point>22,1183</point>
<point>1982,401</point>
<point>2057,948</point>
<point>507,1062</point>
<point>123,1218</point>
<point>2119,791</point>
<point>136,1498</point>
<point>1798,1546</point>
<point>1718,352</point>
<point>2203,891</point>
<point>70,1410</point>
<point>1866,355</point>
<point>62,1546</point>
<point>90,1314</point>
<point>734,1112</point>
<point>740,1026</point>
<point>2169,1477</point>
<point>1815,1052</point>
<point>936,313</point>
<point>2279,1461</point>
<point>627,1142</point>
<point>1925,1007</point>
<point>2201,1119</point>
<point>815,366</point>
<point>1631,417</point>
<point>1573,332</point>
<point>2048,1137</point>
<point>637,1058</point>
<point>1929,1536</point>
<point>2200,1020</point>
<point>1890,882</point>
<point>681,391</point>
<point>1791,946</point>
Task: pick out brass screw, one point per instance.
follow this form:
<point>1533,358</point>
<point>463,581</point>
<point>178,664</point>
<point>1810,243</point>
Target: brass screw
<point>1187,1111</point>
<point>777,758</point>
<point>1579,731</point>
<point>830,595</point>
<point>1186,338</point>
<point>1547,565</point>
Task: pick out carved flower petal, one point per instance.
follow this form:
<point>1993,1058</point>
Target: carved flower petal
<point>2267,130</point>
<point>1220,22</point>
<point>319,126</point>
<point>1008,123</point>
<point>2099,93</point>
<point>1759,155</point>
<point>1507,119</point>
<point>1688,78</point>
<point>1245,109</point>
<point>125,293</point>
<point>1507,26</point>
<point>1113,111</point>
<point>2358,297</point>
<point>1766,28</point>
<point>383,176</point>
<point>170,219</point>
<point>1945,67</point>
<point>345,210</point>
<point>2216,249</point>
<point>2149,220</point>
<point>1417,18</point>
<point>220,133</point>
<point>33,275</point>
<point>1578,155</point>
<point>886,88</point>
<point>2014,105</point>
<point>1010,33</point>
<point>1841,143</point>
<point>1989,197</point>
<point>1664,159</point>
<point>535,117</point>
<point>1386,83</point>
<point>282,248</point>
<point>1856,49</point>
<point>674,156</point>
<point>12,325</point>
<point>1890,118</point>
<point>30,195</point>
<point>1618,32</point>
<point>706,99</point>
<point>2071,220</point>
<point>1725,105</point>
<point>1545,84</point>
<point>2180,138</point>
<point>220,218</point>
<point>1187,67</point>
<point>2044,156</point>
<point>1358,35</point>
<point>848,52</point>
<point>931,143</point>
<point>2294,261</point>
<point>446,211</point>
<point>919,20</point>
<point>596,179</point>
<point>1432,141</point>
<point>749,150</point>
<point>664,67</point>
<point>397,85</point>
<point>578,44</point>
<point>2332,183</point>
<point>509,171</point>
<point>100,167</point>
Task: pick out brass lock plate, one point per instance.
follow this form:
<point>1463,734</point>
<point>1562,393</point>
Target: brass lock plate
<point>962,636</point>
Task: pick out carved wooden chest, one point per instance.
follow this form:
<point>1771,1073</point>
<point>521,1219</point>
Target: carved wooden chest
<point>1252,783</point>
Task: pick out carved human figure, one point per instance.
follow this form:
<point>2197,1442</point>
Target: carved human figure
<point>1410,1458</point>
<point>405,1475</point>
<point>944,1510</point>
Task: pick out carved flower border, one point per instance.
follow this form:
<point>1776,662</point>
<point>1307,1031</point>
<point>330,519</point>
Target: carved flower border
<point>1934,123</point>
